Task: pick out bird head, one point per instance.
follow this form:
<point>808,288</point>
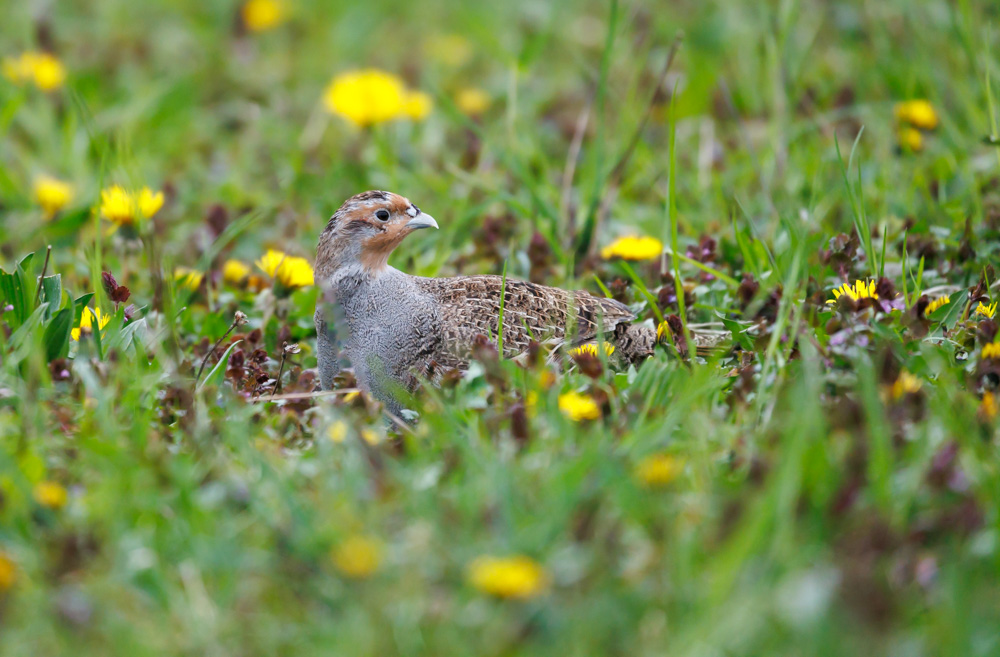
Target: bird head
<point>366,229</point>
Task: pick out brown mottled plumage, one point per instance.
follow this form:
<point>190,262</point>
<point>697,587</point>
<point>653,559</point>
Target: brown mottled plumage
<point>470,306</point>
<point>393,327</point>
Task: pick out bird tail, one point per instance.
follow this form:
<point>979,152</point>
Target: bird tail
<point>636,343</point>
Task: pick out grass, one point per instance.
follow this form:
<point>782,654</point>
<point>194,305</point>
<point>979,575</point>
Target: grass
<point>824,501</point>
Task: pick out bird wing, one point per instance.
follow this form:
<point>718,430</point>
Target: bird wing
<point>470,306</point>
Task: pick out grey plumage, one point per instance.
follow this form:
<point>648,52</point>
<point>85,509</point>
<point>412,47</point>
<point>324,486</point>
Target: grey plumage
<point>393,327</point>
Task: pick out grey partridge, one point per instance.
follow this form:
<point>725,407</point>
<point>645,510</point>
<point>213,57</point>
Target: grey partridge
<point>393,328</point>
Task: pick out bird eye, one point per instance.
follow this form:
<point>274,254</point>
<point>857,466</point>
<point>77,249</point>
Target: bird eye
<point>382,215</point>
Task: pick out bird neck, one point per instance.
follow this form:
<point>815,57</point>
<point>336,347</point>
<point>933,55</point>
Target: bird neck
<point>349,279</point>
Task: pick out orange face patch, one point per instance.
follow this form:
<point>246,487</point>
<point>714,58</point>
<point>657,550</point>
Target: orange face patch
<point>376,250</point>
<point>398,205</point>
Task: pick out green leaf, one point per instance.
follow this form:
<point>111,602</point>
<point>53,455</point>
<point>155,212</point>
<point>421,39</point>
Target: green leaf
<point>942,312</point>
<point>26,261</point>
<point>19,338</point>
<point>738,331</point>
<point>52,291</point>
<point>622,380</point>
<point>80,303</point>
<point>11,294</point>
<point>857,201</point>
<point>220,367</point>
<point>98,335</point>
<point>57,334</point>
<point>128,337</point>
<point>954,312</point>
<point>136,342</point>
<point>118,334</point>
<point>16,292</point>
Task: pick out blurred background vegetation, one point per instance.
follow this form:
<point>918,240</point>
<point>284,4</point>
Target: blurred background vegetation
<point>792,493</point>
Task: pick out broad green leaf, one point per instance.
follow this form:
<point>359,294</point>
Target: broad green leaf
<point>954,311</point>
<point>945,310</point>
<point>57,334</point>
<point>80,303</point>
<point>19,342</point>
<point>52,291</point>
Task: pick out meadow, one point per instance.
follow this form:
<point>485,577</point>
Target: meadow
<point>811,186</point>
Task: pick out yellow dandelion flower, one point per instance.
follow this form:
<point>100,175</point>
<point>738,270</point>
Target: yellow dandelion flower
<point>357,556</point>
<point>472,101</point>
<point>937,303</point>
<point>263,15</point>
<point>905,384</point>
<point>991,351</point>
<point>117,205</point>
<point>918,113</point>
<point>50,494</point>
<point>187,278</point>
<point>235,272</point>
<point>658,470</point>
<point>518,577</point>
<point>295,273</point>
<point>271,261</point>
<point>450,49</point>
<point>337,432</point>
<point>579,407</point>
<point>150,202</point>
<point>591,349</point>
<point>987,408</point>
<point>662,329</point>
<point>633,248</point>
<point>417,105</point>
<point>8,572</point>
<point>986,311</point>
<point>292,272</point>
<point>87,322</point>
<point>42,68</point>
<point>910,139</point>
<point>861,290</point>
<point>52,194</point>
<point>47,72</point>
<point>366,97</point>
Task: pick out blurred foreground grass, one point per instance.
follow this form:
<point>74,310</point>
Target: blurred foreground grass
<point>827,482</point>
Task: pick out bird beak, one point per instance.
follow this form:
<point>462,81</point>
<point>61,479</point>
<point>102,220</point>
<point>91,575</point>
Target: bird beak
<point>421,221</point>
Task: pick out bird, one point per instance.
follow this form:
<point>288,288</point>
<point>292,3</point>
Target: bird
<point>395,329</point>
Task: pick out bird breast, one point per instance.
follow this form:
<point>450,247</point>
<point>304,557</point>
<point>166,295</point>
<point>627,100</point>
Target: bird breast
<point>388,318</point>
